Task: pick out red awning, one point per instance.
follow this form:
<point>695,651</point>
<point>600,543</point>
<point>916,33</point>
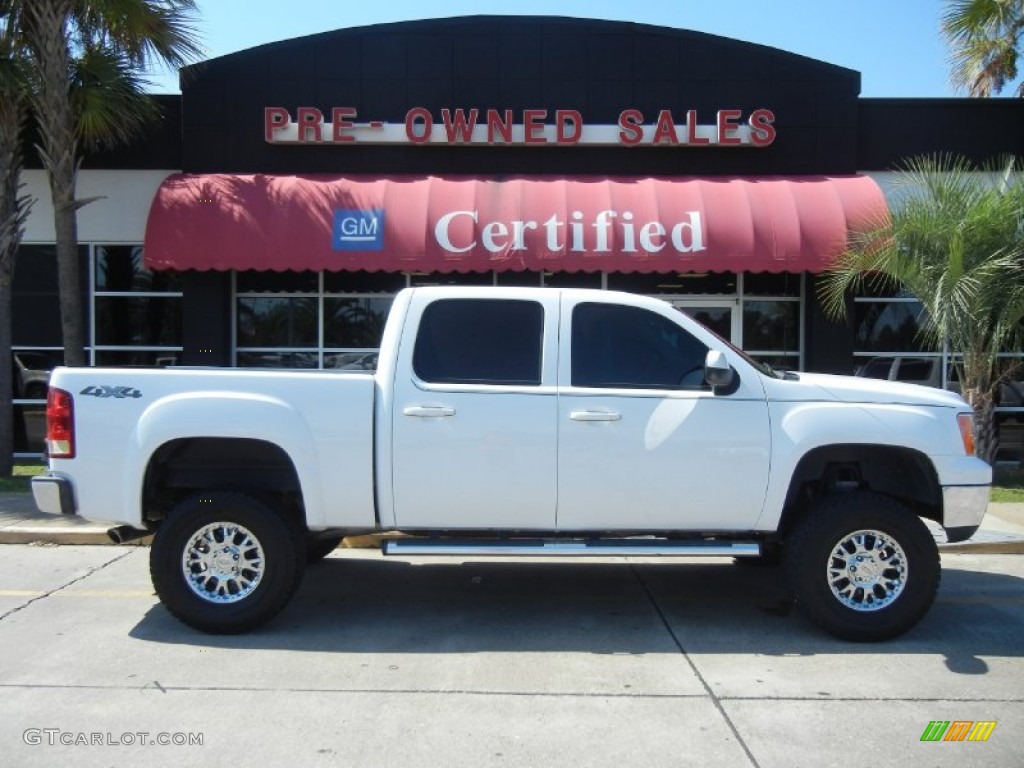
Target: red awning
<point>456,224</point>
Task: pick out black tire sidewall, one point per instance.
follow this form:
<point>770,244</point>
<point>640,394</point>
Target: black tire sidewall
<point>284,556</point>
<point>811,543</point>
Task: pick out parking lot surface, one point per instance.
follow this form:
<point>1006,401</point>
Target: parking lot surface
<point>448,662</point>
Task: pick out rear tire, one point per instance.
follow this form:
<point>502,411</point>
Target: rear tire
<point>225,562</point>
<point>862,566</point>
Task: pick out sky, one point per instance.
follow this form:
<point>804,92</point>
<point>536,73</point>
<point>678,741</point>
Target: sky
<point>896,45</point>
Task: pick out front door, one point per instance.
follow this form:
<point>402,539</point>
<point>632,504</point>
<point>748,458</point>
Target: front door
<point>643,443</point>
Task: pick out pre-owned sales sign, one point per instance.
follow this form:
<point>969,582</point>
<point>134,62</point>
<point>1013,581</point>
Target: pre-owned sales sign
<point>492,127</point>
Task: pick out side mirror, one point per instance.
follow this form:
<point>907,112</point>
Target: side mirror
<point>717,371</point>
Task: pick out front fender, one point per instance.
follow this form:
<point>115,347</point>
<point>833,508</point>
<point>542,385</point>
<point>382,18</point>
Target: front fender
<point>799,428</point>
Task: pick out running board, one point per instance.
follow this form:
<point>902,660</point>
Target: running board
<point>572,547</point>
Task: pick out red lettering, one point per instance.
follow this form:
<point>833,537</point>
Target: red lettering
<point>273,119</point>
<point>563,119</point>
<point>309,119</point>
<point>533,126</point>
<point>631,122</point>
<point>422,116</point>
<point>727,126</point>
<point>498,126</point>
<point>458,127</point>
<point>691,129</point>
<point>340,117</point>
<point>665,129</point>
<point>762,130</point>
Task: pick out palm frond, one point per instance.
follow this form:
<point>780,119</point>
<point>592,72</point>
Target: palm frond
<point>108,97</point>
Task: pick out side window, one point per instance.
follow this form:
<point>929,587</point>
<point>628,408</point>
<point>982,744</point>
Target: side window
<point>480,341</point>
<point>628,347</point>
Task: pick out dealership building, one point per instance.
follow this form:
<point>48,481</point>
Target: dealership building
<point>292,189</point>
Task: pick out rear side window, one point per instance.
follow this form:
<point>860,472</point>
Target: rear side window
<point>633,348</point>
<point>480,341</point>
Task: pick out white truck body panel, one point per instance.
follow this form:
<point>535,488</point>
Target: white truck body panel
<point>324,422</point>
<point>391,451</point>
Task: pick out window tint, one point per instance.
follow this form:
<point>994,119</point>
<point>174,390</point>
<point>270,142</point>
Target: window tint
<point>628,347</point>
<point>480,341</point>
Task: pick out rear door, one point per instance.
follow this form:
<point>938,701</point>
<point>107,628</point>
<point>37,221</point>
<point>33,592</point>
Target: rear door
<point>475,408</point>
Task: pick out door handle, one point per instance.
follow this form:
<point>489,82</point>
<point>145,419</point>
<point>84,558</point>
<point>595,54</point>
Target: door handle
<point>595,416</point>
<point>428,411</point>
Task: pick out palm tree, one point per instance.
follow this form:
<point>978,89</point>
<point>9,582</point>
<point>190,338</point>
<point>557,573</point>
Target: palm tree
<point>13,211</point>
<point>986,38</point>
<point>85,56</point>
<point>955,241</point>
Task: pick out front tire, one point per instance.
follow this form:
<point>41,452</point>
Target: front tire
<point>226,563</point>
<point>862,566</point>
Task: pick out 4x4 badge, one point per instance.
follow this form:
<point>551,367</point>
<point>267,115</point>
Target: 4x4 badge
<point>106,391</point>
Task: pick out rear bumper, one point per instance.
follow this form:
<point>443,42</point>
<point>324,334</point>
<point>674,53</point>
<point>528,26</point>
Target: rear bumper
<point>963,510</point>
<point>54,494</point>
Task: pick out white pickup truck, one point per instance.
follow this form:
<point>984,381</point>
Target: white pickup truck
<point>522,422</point>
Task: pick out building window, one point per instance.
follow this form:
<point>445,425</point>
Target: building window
<point>136,312</point>
<point>314,320</point>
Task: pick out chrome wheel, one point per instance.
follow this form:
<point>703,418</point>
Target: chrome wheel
<point>867,570</point>
<point>223,562</point>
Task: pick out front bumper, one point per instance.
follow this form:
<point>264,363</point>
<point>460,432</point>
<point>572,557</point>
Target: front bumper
<point>54,494</point>
<point>963,507</point>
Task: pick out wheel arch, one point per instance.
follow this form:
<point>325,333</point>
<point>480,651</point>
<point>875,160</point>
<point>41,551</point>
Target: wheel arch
<point>902,473</point>
<point>184,466</point>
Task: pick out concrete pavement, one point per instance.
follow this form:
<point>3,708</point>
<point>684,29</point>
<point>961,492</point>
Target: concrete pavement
<point>1002,531</point>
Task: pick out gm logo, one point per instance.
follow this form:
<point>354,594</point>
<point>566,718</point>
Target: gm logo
<point>358,230</point>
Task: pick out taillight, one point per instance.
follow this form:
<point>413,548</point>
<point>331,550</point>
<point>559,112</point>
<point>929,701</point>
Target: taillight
<point>966,422</point>
<point>60,424</point>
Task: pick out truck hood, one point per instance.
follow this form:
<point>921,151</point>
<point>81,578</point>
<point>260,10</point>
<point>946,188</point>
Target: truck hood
<point>856,389</point>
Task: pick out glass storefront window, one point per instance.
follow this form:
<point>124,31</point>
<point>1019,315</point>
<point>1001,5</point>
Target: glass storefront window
<point>572,279</point>
<point>771,326</point>
<point>681,283</point>
<point>277,322</point>
<point>889,326</point>
<point>276,282</point>
<point>137,358</point>
<point>771,284</point>
<point>277,359</point>
<point>354,322</point>
<point>138,322</point>
<point>363,282</point>
<point>519,279</point>
<point>120,268</point>
<point>453,278</point>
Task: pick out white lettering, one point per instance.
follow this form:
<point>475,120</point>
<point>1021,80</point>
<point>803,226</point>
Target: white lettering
<point>552,225</point>
<point>495,228</point>
<point>649,231</point>
<point>693,226</point>
<point>628,234</point>
<point>519,234</point>
<point>578,246</point>
<point>353,226</point>
<point>601,227</point>
<point>612,231</point>
<point>441,231</point>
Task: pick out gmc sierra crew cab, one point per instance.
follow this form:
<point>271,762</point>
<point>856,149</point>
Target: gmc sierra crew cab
<point>515,422</point>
